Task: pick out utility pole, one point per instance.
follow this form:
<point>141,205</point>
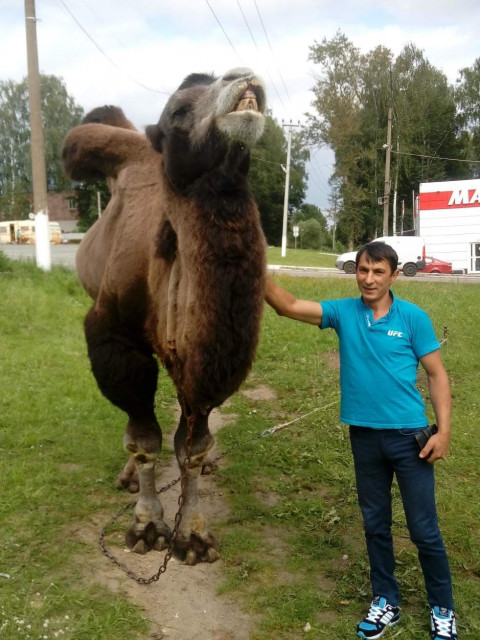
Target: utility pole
<point>386,193</point>
<point>39,174</point>
<point>287,186</point>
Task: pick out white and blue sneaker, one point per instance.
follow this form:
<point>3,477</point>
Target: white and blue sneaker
<point>443,624</point>
<point>380,616</point>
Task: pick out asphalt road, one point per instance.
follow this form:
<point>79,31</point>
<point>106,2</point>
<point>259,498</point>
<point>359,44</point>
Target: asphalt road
<point>64,254</point>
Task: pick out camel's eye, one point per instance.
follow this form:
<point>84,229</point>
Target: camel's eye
<point>182,117</point>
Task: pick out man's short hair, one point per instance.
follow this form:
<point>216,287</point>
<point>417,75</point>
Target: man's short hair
<point>378,251</point>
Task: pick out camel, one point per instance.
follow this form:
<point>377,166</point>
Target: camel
<point>176,270</point>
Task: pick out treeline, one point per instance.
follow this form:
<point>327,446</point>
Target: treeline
<point>435,136</point>
<point>435,133</point>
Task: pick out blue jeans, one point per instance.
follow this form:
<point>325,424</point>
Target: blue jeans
<point>378,454</point>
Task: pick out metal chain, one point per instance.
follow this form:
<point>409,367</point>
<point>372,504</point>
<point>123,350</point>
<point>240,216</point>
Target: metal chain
<point>183,480</point>
<point>178,518</point>
<point>181,499</point>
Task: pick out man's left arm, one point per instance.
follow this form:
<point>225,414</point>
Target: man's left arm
<point>439,389</point>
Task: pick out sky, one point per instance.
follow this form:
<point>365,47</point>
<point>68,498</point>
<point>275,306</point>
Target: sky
<point>134,53</point>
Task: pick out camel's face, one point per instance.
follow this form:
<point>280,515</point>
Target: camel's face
<point>239,99</point>
<point>205,119</point>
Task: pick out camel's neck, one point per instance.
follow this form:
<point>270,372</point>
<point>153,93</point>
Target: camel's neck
<point>220,256</point>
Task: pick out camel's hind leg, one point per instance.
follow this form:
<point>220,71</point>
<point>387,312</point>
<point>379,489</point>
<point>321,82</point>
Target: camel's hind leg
<point>194,542</point>
<point>126,373</point>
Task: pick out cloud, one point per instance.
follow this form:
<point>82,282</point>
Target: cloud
<point>146,43</point>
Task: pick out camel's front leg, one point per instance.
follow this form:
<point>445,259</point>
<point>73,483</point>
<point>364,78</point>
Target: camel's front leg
<point>148,530</point>
<point>194,542</point>
<point>126,373</point>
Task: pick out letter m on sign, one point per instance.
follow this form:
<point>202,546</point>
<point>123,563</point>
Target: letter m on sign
<point>459,196</point>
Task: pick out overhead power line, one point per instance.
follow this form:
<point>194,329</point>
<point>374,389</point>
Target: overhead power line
<point>258,51</point>
<point>420,155</point>
<point>278,164</point>
<point>67,9</point>
<point>271,49</point>
<point>224,32</point>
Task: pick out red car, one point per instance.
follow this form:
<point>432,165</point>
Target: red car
<point>434,265</point>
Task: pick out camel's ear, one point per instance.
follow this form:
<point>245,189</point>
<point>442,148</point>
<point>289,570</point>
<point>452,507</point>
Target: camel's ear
<point>155,135</point>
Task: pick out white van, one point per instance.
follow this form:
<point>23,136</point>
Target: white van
<point>23,232</point>
<point>410,250</point>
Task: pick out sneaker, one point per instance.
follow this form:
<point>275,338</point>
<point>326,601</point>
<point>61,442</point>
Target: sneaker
<point>380,616</point>
<point>443,624</point>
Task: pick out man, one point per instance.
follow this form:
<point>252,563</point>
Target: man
<point>381,340</point>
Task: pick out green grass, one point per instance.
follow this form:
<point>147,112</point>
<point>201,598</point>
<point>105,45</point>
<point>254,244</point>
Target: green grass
<point>57,464</point>
<point>300,258</point>
<point>292,546</point>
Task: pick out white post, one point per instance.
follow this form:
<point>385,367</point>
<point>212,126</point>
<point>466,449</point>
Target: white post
<point>42,241</point>
<point>39,179</point>
<point>287,187</point>
<point>395,212</point>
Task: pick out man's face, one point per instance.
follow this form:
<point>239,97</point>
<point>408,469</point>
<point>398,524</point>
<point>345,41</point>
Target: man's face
<point>374,279</point>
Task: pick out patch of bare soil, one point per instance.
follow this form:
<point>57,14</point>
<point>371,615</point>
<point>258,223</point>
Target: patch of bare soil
<point>332,358</point>
<point>183,604</point>
<point>261,392</point>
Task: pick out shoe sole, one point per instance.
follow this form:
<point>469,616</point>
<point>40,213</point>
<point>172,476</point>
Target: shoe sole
<point>360,634</point>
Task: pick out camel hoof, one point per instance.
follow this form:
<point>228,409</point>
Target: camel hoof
<point>212,555</point>
<point>190,558</point>
<point>140,547</point>
<point>127,483</point>
<point>150,537</point>
<point>208,467</point>
<point>196,548</point>
<point>161,544</point>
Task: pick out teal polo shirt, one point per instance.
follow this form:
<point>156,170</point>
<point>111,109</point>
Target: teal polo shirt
<point>379,361</point>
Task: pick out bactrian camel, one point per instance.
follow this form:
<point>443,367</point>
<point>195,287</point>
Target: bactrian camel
<point>176,269</point>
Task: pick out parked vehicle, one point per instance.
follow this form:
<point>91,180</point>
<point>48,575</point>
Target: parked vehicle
<point>434,265</point>
<point>23,232</point>
<point>410,250</point>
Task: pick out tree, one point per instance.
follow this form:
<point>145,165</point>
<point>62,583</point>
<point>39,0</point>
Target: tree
<point>312,225</point>
<point>311,235</point>
<point>87,202</point>
<point>59,113</point>
<point>350,99</point>
<point>267,178</point>
<point>426,122</point>
<point>309,212</point>
<point>467,96</point>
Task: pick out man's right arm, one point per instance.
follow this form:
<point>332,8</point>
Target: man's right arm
<point>285,304</point>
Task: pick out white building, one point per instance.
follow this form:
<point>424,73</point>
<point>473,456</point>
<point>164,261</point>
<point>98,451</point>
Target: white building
<point>449,221</point>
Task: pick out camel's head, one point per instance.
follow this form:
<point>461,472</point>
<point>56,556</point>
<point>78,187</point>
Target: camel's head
<point>209,121</point>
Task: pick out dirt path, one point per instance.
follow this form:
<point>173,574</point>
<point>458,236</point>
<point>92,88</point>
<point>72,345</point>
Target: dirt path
<point>183,604</point>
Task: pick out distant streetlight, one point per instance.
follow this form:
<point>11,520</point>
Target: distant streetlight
<point>287,186</point>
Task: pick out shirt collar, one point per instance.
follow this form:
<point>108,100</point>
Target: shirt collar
<point>369,312</point>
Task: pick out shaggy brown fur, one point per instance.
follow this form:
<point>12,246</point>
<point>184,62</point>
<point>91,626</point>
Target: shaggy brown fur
<point>176,268</point>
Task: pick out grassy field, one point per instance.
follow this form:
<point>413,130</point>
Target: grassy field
<point>300,258</point>
<point>293,545</point>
